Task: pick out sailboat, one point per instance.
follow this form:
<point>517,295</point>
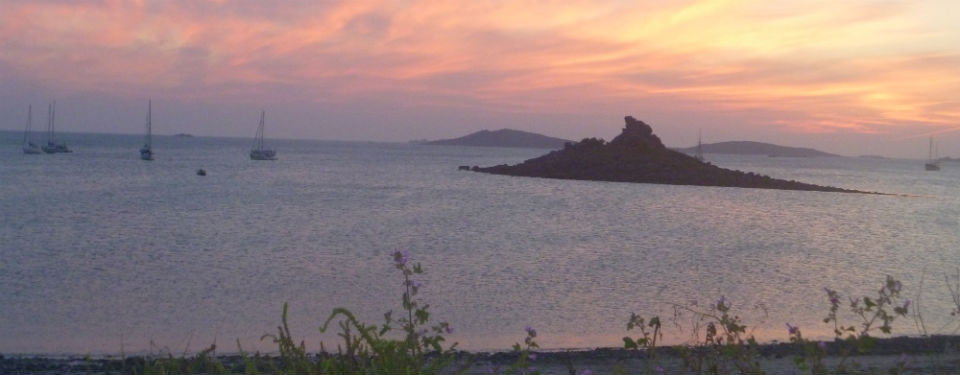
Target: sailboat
<point>146,152</point>
<point>29,147</point>
<point>933,163</point>
<point>52,147</point>
<point>699,155</point>
<point>257,152</point>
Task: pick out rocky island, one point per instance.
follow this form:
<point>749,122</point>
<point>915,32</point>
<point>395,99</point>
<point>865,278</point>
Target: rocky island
<point>637,155</point>
<point>503,138</point>
<point>756,148</point>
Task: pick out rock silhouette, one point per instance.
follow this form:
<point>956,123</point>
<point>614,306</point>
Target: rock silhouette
<point>638,155</point>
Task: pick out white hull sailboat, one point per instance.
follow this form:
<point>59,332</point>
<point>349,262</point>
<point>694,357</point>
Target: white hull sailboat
<point>52,147</point>
<point>933,163</point>
<point>146,152</point>
<point>29,147</point>
<point>257,152</point>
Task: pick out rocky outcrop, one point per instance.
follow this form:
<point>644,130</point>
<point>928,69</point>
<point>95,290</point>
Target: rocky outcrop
<point>638,155</point>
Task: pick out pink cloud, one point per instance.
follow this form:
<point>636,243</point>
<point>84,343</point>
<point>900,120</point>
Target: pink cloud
<point>846,67</point>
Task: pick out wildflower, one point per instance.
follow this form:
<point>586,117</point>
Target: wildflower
<point>530,331</point>
<point>400,258</point>
<point>822,345</point>
<point>532,356</point>
<point>586,372</point>
<point>793,330</point>
<point>834,297</point>
<point>721,301</point>
<point>449,330</point>
<point>906,304</point>
<point>659,369</point>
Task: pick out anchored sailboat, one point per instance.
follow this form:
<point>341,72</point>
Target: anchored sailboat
<point>29,147</point>
<point>52,147</point>
<point>257,152</point>
<point>699,155</point>
<point>933,162</point>
<point>146,152</point>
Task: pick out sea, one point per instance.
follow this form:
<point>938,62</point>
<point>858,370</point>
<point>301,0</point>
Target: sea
<point>103,253</point>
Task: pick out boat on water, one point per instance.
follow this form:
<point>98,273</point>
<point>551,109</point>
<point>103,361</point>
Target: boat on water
<point>933,163</point>
<point>29,147</point>
<point>146,152</point>
<point>52,147</point>
<point>257,152</point>
<point>699,155</point>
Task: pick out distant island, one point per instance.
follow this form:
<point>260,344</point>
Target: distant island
<point>183,135</point>
<point>638,155</point>
<point>503,138</point>
<point>755,148</point>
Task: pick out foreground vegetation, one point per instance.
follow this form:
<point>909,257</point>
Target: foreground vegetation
<point>409,343</point>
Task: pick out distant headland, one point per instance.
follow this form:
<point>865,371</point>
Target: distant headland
<point>755,148</point>
<point>503,138</point>
<point>638,155</point>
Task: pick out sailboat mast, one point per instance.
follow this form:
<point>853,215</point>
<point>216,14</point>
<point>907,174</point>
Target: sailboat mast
<point>930,150</point>
<point>700,144</point>
<point>53,122</point>
<point>49,122</point>
<point>260,130</point>
<point>26,133</point>
<point>149,125</point>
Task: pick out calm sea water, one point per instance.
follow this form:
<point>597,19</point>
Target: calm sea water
<point>101,252</point>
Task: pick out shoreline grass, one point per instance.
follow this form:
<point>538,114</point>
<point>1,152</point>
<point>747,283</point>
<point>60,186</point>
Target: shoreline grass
<point>720,343</point>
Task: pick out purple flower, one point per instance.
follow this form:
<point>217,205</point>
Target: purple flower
<point>721,301</point>
<point>793,330</point>
<point>822,345</point>
<point>449,330</point>
<point>532,356</point>
<point>530,331</point>
<point>586,372</point>
<point>660,369</point>
<point>906,304</point>
<point>400,258</point>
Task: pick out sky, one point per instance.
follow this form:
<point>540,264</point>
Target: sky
<point>852,77</point>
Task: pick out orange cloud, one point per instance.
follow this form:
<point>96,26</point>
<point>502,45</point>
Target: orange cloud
<point>830,66</point>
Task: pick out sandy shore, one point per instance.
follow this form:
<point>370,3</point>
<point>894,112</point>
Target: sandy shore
<point>936,355</point>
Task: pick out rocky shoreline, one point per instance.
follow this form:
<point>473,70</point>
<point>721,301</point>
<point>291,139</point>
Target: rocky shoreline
<point>638,155</point>
<point>936,354</point>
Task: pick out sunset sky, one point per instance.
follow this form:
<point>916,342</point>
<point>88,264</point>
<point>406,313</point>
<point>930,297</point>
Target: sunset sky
<point>845,76</point>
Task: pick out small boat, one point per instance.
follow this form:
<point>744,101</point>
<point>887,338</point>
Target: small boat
<point>257,152</point>
<point>29,147</point>
<point>52,147</point>
<point>146,152</point>
<point>933,163</point>
<point>699,155</point>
